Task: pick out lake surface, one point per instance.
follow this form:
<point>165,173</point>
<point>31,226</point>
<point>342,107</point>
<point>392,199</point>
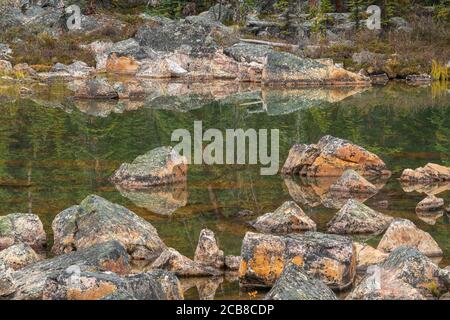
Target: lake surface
<point>55,151</point>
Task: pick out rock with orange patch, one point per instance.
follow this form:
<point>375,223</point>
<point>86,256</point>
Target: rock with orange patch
<point>122,65</point>
<point>330,258</point>
<point>330,157</point>
<point>368,256</point>
<point>108,256</point>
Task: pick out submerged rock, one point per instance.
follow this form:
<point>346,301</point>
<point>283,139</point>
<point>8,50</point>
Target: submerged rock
<point>157,167</point>
<point>357,218</point>
<point>331,157</point>
<point>330,258</point>
<point>288,218</point>
<point>295,284</point>
<point>405,275</point>
<point>97,220</point>
<point>368,256</point>
<point>430,173</point>
<point>22,228</point>
<point>108,256</point>
<point>18,256</point>
<point>351,182</point>
<point>208,252</point>
<point>403,232</point>
<point>430,204</point>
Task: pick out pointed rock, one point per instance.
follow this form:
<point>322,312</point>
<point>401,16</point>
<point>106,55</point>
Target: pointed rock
<point>430,173</point>
<point>352,182</point>
<point>430,204</point>
<point>357,218</point>
<point>208,252</point>
<point>288,218</point>
<point>403,232</point>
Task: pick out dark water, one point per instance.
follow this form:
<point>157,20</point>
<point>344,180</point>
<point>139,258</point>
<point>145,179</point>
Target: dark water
<point>54,152</point>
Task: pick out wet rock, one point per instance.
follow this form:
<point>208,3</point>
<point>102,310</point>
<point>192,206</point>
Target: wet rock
<point>368,256</point>
<point>77,284</point>
<point>7,284</point>
<point>430,173</point>
<point>405,275</point>
<point>97,220</point>
<point>157,167</point>
<point>22,228</point>
<point>233,263</point>
<point>430,204</point>
<point>18,256</point>
<point>330,258</point>
<point>208,252</point>
<point>95,89</point>
<point>357,218</point>
<point>403,232</point>
<point>295,284</point>
<point>351,182</point>
<point>108,256</point>
<point>173,261</point>
<point>331,157</point>
<point>288,218</point>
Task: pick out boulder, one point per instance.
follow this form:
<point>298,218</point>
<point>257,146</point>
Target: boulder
<point>419,79</point>
<point>97,220</point>
<point>18,256</point>
<point>122,65</point>
<point>357,218</point>
<point>208,252</point>
<point>367,256</point>
<point>159,166</point>
<point>95,89</point>
<point>430,173</point>
<point>330,258</point>
<point>405,275</point>
<point>74,283</point>
<point>330,157</point>
<point>248,52</point>
<point>430,204</point>
<point>7,284</point>
<point>22,228</point>
<point>5,67</point>
<point>5,51</point>
<point>107,256</point>
<point>78,69</point>
<point>173,261</point>
<point>233,263</point>
<point>351,182</point>
<point>286,219</point>
<point>402,232</point>
<point>25,70</point>
<point>295,284</point>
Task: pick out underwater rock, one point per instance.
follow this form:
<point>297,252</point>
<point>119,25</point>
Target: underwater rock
<point>295,284</point>
<point>430,204</point>
<point>367,256</point>
<point>18,256</point>
<point>357,218</point>
<point>97,220</point>
<point>331,157</point>
<point>402,232</point>
<point>159,166</point>
<point>207,252</point>
<point>406,274</point>
<point>330,258</point>
<point>430,173</point>
<point>288,218</point>
<point>22,228</point>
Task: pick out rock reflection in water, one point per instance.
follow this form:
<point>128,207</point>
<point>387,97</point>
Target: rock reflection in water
<point>162,200</point>
<point>430,217</point>
<point>206,287</point>
<point>429,188</point>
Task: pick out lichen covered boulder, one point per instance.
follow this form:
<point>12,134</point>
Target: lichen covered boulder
<point>18,256</point>
<point>159,166</point>
<point>22,228</point>
<point>295,284</point>
<point>402,232</point>
<point>330,258</point>
<point>97,220</point>
<point>357,218</point>
<point>288,218</point>
<point>330,157</point>
<point>430,173</point>
<point>207,252</point>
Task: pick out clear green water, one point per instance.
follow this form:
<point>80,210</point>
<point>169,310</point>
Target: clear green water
<point>54,152</point>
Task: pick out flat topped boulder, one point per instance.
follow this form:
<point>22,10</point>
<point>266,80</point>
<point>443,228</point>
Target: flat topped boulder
<point>430,204</point>
<point>330,157</point>
<point>402,232</point>
<point>351,182</point>
<point>159,166</point>
<point>22,228</point>
<point>97,220</point>
<point>288,218</point>
<point>430,173</point>
<point>357,218</point>
<point>295,284</point>
<point>329,258</point>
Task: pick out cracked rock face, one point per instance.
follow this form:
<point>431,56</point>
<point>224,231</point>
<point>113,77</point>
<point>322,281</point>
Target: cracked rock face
<point>402,232</point>
<point>159,166</point>
<point>357,218</point>
<point>22,228</point>
<point>330,157</point>
<point>97,220</point>
<point>288,218</point>
<point>295,284</point>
